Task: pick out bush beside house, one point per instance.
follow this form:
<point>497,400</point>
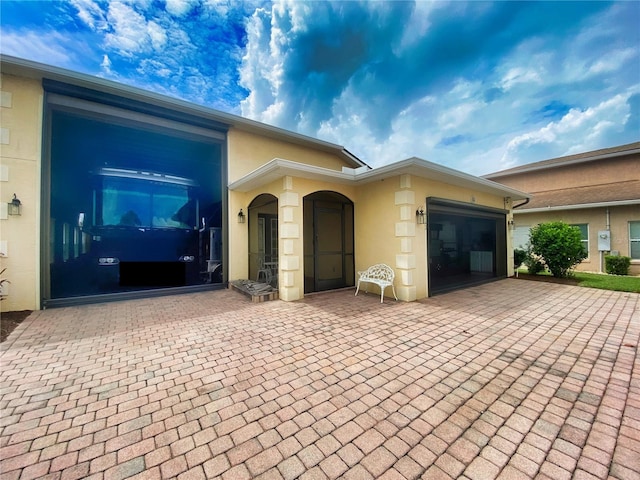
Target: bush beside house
<point>617,265</point>
<point>558,246</point>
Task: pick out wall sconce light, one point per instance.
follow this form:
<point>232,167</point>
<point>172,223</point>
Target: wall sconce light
<point>14,207</point>
<point>421,216</point>
<point>241,216</point>
<point>511,223</point>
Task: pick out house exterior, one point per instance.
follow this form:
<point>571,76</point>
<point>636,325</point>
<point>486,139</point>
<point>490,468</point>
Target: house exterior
<point>125,193</point>
<point>597,191</point>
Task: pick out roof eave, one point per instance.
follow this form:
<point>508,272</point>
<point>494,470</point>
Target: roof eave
<point>423,168</point>
<point>277,168</point>
<point>581,206</point>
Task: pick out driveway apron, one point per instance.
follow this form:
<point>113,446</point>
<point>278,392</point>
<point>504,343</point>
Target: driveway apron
<point>512,379</point>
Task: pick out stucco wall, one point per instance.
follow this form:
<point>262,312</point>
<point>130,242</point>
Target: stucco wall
<point>596,218</point>
<point>249,151</point>
<point>20,160</point>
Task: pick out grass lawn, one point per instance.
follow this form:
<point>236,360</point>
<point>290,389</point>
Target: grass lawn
<point>620,283</point>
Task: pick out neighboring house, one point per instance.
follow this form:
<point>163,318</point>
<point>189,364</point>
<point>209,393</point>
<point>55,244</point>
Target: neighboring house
<point>126,193</point>
<point>598,191</point>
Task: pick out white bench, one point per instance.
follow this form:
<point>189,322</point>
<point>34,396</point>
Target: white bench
<point>380,274</point>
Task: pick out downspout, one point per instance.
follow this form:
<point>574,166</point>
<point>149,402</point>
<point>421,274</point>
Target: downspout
<point>607,228</point>
<point>521,204</point>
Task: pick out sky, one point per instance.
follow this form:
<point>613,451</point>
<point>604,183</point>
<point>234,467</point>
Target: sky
<point>475,86</point>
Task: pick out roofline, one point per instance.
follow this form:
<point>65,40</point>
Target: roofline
<point>622,150</point>
<point>581,206</point>
<point>425,166</point>
<point>279,167</point>
<point>35,70</point>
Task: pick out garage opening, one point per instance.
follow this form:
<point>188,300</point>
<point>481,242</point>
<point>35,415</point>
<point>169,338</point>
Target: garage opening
<point>133,203</point>
<point>466,245</point>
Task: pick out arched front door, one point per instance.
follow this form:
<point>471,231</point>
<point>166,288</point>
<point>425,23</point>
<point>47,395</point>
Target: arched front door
<point>328,242</point>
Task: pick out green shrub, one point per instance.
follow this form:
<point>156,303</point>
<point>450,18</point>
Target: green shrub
<point>617,265</point>
<point>558,245</point>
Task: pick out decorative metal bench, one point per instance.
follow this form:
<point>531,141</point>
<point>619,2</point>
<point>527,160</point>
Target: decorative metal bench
<point>380,274</point>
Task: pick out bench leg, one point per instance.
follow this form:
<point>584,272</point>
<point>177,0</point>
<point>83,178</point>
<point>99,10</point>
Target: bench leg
<point>382,294</point>
<point>357,288</point>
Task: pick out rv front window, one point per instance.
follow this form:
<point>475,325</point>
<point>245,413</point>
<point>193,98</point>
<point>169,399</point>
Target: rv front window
<point>129,202</point>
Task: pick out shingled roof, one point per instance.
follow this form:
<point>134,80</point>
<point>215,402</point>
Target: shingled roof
<point>594,194</point>
<point>568,160</point>
<point>584,183</point>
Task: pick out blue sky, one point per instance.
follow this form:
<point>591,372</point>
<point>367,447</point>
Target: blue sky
<point>475,86</point>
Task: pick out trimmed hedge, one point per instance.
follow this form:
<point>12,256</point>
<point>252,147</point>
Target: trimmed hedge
<point>617,265</point>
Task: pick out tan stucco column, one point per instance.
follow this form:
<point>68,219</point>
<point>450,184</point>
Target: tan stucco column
<point>291,280</point>
<point>405,232</point>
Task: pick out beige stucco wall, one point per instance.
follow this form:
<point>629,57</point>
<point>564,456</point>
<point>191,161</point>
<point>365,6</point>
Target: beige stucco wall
<point>248,151</point>
<point>20,160</point>
<point>596,218</point>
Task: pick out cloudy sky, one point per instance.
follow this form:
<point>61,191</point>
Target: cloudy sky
<point>475,86</point>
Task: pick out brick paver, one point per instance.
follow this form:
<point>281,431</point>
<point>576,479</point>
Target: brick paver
<point>512,379</point>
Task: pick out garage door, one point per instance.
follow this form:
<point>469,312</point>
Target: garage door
<point>466,245</point>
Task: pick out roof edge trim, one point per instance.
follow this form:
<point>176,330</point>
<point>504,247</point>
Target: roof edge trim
<point>581,206</point>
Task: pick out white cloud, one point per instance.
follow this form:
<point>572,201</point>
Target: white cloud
<point>106,65</point>
<point>518,75</point>
<point>52,48</point>
<point>157,35</point>
<point>577,131</point>
<point>178,8</point>
<point>613,61</point>
<point>128,30</point>
<point>91,13</point>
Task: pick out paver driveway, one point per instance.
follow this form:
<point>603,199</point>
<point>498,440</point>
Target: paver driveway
<point>513,379</point>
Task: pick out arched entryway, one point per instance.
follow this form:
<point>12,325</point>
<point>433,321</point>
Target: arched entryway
<point>263,239</point>
<point>328,242</point>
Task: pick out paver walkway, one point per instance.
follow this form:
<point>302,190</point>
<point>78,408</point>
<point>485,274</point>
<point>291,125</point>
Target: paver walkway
<point>512,379</point>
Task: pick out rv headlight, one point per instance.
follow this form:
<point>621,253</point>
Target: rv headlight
<point>108,261</point>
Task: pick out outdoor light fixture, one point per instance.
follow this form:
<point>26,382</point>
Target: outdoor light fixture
<point>421,216</point>
<point>511,223</point>
<point>241,216</point>
<point>14,207</point>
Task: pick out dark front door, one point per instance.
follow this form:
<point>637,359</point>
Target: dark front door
<point>328,242</point>
<point>328,251</point>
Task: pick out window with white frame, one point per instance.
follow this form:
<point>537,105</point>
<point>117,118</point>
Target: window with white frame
<point>584,233</point>
<point>634,240</point>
